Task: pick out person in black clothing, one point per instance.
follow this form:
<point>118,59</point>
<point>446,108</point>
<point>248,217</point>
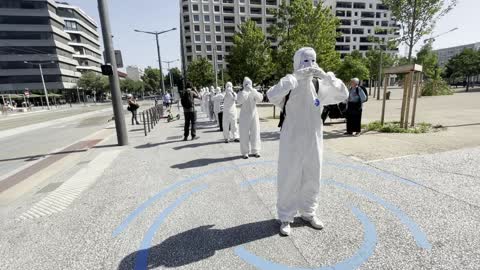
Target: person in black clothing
<point>356,99</point>
<point>188,104</point>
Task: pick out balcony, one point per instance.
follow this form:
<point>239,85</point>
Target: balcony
<point>228,19</point>
<point>365,47</point>
<point>358,31</point>
<point>359,5</point>
<point>271,2</point>
<point>382,7</point>
<point>342,47</point>
<point>228,1</point>
<point>344,4</point>
<point>368,15</point>
<point>227,9</point>
<point>345,22</point>
<point>344,30</point>
<point>367,23</point>
<point>256,11</point>
<point>229,29</point>
<point>255,2</point>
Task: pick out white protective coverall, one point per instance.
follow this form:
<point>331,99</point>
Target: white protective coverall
<point>301,138</point>
<point>204,100</point>
<point>230,128</point>
<point>217,102</point>
<point>211,113</point>
<point>249,121</point>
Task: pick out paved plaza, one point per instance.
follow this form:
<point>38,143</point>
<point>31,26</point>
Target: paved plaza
<point>163,203</point>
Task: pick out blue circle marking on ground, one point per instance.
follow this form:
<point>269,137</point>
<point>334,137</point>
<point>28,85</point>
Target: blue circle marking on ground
<point>360,257</point>
<point>419,236</point>
<point>141,259</point>
<point>135,213</point>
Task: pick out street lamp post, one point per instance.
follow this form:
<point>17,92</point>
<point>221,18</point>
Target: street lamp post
<point>170,71</point>
<point>157,33</point>
<point>45,92</point>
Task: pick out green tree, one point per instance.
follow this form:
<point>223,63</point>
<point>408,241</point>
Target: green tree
<point>200,72</point>
<point>300,24</point>
<point>417,18</point>
<point>429,60</point>
<point>466,64</point>
<point>91,81</point>
<point>176,77</point>
<point>372,62</point>
<point>352,67</point>
<point>250,55</point>
<point>151,78</point>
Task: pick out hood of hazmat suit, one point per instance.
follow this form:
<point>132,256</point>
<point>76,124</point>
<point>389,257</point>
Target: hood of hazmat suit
<point>249,121</point>
<point>301,139</point>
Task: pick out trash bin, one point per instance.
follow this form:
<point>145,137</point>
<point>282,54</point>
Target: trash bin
<point>388,95</point>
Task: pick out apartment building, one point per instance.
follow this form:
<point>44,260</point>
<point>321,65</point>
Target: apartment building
<point>446,53</point>
<point>134,73</point>
<point>83,32</point>
<point>360,21</point>
<point>31,32</point>
<point>208,26</point>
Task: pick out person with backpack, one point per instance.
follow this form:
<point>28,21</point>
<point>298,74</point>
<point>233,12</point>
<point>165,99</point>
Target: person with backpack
<point>249,121</point>
<point>301,139</point>
<point>357,96</point>
<point>189,112</point>
<point>133,107</point>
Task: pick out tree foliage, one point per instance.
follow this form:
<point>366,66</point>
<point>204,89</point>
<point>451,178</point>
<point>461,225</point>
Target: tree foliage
<point>131,86</point>
<point>250,55</point>
<point>176,78</point>
<point>200,72</point>
<point>417,18</point>
<point>151,79</point>
<point>353,67</point>
<point>466,64</point>
<point>429,60</point>
<point>300,24</point>
<point>93,81</point>
<point>372,62</point>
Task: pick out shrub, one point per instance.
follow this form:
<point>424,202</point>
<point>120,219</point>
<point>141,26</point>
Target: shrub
<point>394,127</point>
<point>436,87</point>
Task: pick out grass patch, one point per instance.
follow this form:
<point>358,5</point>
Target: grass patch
<point>394,127</point>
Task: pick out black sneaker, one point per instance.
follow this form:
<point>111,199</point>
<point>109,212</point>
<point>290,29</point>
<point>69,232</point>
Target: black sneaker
<point>245,156</point>
<point>226,141</point>
<point>257,155</point>
<point>185,139</point>
<point>236,140</point>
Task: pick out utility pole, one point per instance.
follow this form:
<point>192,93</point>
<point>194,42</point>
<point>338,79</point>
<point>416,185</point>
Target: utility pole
<point>45,92</point>
<point>156,34</point>
<point>170,71</point>
<point>122,136</point>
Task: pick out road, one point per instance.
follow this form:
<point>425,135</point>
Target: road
<point>164,203</point>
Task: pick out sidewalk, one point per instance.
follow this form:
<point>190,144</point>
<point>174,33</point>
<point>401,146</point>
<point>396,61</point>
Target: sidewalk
<point>162,202</point>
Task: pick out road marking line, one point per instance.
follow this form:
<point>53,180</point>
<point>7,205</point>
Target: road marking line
<point>59,199</point>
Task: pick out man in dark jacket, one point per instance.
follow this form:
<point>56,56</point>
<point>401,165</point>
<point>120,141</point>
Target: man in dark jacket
<point>188,104</point>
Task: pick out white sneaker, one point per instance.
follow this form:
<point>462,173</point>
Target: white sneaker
<point>314,221</point>
<point>285,229</point>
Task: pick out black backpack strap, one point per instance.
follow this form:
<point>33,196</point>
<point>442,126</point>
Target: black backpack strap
<point>316,83</point>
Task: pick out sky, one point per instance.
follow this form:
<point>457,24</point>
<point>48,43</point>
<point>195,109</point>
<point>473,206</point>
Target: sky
<point>157,15</point>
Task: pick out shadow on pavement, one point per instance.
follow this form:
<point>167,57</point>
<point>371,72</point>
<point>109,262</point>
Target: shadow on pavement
<point>36,157</point>
<point>195,145</point>
<point>137,129</point>
<point>270,136</point>
<point>212,131</point>
<point>106,146</point>
<point>463,125</point>
<point>201,243</point>
<point>202,162</point>
<point>150,145</point>
<point>333,134</point>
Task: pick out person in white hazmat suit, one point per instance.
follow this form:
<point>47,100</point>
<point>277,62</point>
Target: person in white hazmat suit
<point>249,121</point>
<point>211,114</point>
<point>301,138</point>
<point>217,103</point>
<point>204,93</point>
<point>230,128</point>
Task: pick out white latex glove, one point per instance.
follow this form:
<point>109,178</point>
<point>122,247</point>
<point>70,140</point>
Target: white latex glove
<point>319,73</point>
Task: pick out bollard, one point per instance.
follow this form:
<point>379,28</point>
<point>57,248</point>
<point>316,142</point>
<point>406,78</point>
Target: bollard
<point>274,107</point>
<point>148,121</point>
<point>151,117</point>
<point>144,123</point>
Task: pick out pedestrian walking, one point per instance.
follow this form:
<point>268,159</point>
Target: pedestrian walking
<point>249,122</point>
<point>167,100</point>
<point>301,141</point>
<point>189,112</point>
<point>230,127</point>
<point>356,98</point>
<point>133,107</point>
<point>211,112</point>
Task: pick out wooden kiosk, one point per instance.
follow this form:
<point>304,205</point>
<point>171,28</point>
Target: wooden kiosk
<point>413,76</point>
